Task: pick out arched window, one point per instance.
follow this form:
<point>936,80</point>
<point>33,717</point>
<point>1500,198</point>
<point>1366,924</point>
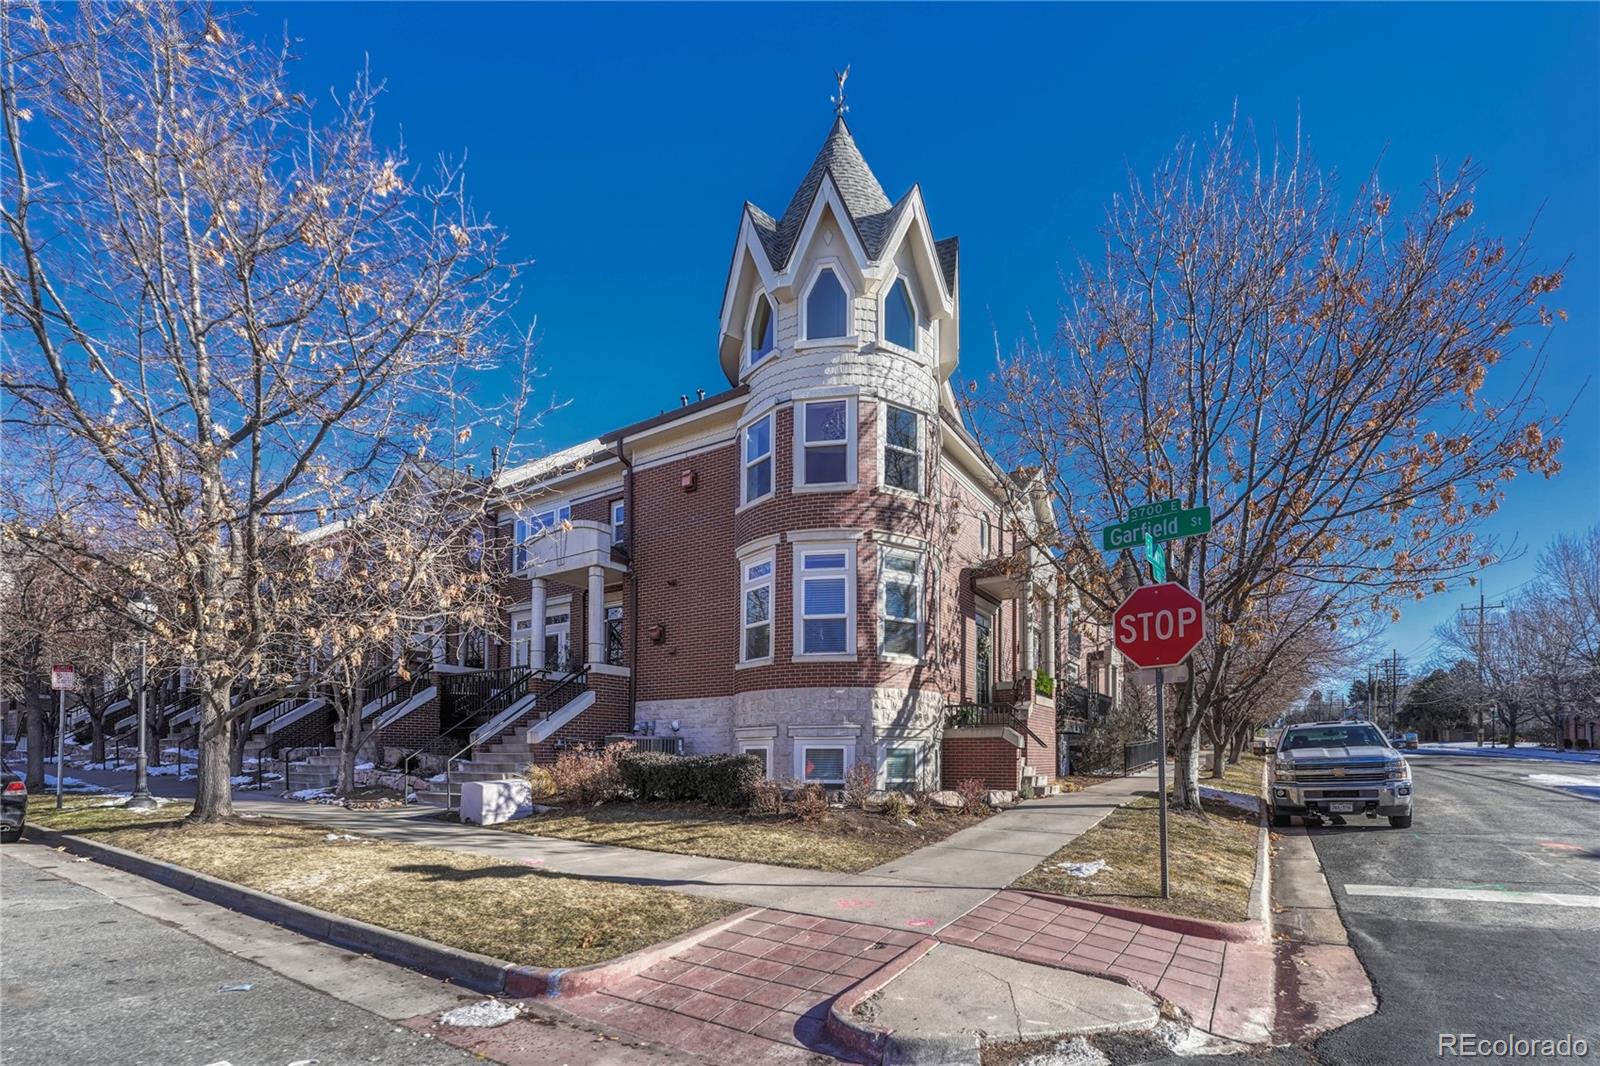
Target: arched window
<point>826,307</point>
<point>900,316</point>
<point>760,330</point>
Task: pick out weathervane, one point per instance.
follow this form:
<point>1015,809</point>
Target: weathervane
<point>839,106</point>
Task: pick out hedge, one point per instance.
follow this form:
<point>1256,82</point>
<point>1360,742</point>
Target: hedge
<point>721,780</point>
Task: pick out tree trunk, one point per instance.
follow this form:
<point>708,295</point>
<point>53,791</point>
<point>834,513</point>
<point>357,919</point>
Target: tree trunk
<point>347,723</point>
<point>36,739</point>
<point>213,797</point>
<point>1186,773</point>
<point>1240,736</point>
<point>97,738</point>
<point>240,737</point>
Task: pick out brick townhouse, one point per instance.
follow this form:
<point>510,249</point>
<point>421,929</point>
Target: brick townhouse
<point>818,565</point>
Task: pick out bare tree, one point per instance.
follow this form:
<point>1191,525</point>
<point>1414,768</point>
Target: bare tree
<point>1349,394</point>
<point>238,315</point>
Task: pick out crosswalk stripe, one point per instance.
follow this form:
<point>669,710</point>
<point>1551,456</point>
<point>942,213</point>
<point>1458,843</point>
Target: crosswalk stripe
<point>1475,895</point>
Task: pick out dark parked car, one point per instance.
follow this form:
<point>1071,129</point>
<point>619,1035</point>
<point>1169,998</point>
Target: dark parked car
<point>13,803</point>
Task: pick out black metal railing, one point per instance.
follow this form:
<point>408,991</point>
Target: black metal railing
<point>547,702</point>
<point>1139,754</point>
<point>972,715</point>
<point>386,688</point>
<point>664,745</point>
<point>462,696</point>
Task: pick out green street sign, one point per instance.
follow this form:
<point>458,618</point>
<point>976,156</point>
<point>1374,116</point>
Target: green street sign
<point>1155,554</point>
<point>1169,526</point>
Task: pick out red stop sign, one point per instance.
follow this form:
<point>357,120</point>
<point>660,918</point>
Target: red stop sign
<point>1159,625</point>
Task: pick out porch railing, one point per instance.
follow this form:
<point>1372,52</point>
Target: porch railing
<point>972,715</point>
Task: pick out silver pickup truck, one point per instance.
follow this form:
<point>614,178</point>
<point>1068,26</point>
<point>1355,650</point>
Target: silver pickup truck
<point>1326,770</point>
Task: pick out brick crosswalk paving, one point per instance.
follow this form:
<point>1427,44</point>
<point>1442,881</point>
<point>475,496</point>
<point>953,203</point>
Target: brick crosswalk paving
<point>1184,969</point>
<point>757,992</point>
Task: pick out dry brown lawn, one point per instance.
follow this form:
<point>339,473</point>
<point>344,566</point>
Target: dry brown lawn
<point>846,841</point>
<point>1211,862</point>
<point>1244,777</point>
<point>490,906</point>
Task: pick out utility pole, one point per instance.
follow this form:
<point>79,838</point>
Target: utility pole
<point>1481,626</point>
<point>1394,687</point>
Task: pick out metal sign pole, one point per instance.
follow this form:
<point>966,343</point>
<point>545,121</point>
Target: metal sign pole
<point>1161,770</point>
<point>61,739</point>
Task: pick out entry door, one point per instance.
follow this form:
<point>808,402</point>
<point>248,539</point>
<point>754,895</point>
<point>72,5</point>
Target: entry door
<point>985,655</point>
<point>556,643</point>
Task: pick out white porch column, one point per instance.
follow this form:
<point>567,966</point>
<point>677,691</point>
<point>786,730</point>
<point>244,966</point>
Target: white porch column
<point>596,625</point>
<point>1025,636</point>
<point>1047,633</point>
<point>536,601</point>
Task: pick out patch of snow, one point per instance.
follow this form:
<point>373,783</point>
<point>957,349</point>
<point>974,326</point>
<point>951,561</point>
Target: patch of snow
<point>117,799</point>
<point>249,780</point>
<point>72,784</point>
<point>363,766</point>
<point>1083,869</point>
<point>308,793</point>
<point>1232,799</point>
<point>331,837</point>
<point>1074,1052</point>
<point>171,770</point>
<point>484,1015</point>
<point>436,778</point>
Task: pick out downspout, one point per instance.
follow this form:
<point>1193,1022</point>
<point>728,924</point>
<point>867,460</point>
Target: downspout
<point>633,587</point>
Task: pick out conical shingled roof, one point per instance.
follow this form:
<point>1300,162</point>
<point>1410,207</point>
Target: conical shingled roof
<point>869,208</point>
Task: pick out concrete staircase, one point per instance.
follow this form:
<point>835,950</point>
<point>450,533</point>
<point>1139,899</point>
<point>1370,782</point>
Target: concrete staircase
<point>505,757</point>
<point>1041,782</point>
<point>320,770</point>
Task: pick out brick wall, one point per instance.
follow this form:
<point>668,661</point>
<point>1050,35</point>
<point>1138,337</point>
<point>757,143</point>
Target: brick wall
<point>314,729</point>
<point>607,715</point>
<point>994,759</point>
<point>418,729</point>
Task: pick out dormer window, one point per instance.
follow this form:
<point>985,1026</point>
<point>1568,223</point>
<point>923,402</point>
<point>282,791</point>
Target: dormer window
<point>827,306</point>
<point>900,316</point>
<point>761,329</point>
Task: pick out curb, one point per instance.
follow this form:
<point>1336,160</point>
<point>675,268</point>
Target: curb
<point>863,1038</point>
<point>1247,932</point>
<point>470,970</point>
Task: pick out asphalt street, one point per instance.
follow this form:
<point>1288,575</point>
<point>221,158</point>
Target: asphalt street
<point>88,982</point>
<point>1512,948</point>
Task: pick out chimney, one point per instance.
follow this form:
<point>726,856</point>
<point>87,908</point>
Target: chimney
<point>700,394</point>
<point>683,399</point>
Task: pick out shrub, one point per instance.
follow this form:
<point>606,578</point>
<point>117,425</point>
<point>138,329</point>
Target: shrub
<point>808,802</point>
<point>897,806</point>
<point>858,785</point>
<point>1044,684</point>
<point>541,782</point>
<point>720,780</point>
<point>589,776</point>
<point>767,797</point>
<point>973,791</point>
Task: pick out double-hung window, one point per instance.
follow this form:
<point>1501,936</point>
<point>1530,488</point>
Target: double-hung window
<point>758,459</point>
<point>902,449</point>
<point>826,602</point>
<point>901,603</point>
<point>619,525</point>
<point>756,627</point>
<point>827,442</point>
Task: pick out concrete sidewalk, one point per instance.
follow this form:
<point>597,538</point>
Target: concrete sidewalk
<point>925,889</point>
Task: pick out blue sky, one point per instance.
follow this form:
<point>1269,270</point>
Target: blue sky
<point>616,144</point>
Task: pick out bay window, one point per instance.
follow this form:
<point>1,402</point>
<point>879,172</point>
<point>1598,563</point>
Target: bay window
<point>902,449</point>
<point>757,460</point>
<point>825,601</point>
<point>756,625</point>
<point>901,603</point>
<point>827,440</point>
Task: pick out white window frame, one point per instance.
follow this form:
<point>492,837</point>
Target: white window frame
<point>849,336</point>
<point>747,584</point>
<point>763,746</point>
<point>802,550</point>
<point>745,463</point>
<point>750,358</point>
<point>852,434</point>
<point>920,579</point>
<point>915,780</point>
<point>848,747</point>
<point>619,517</point>
<point>916,316</point>
<point>983,534</point>
<point>884,408</point>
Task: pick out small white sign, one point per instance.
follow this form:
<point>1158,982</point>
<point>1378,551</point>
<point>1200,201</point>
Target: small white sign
<point>63,678</point>
<point>1169,674</point>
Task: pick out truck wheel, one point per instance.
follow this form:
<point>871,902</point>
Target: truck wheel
<point>1400,821</point>
<point>10,836</point>
<point>1281,821</point>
